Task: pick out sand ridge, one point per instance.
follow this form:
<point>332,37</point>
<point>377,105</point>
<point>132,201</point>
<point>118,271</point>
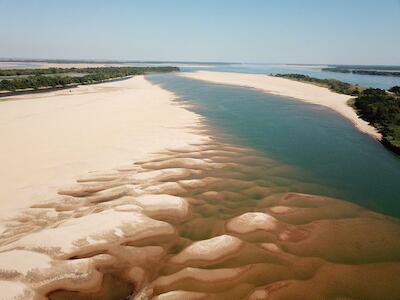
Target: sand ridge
<point>221,239</point>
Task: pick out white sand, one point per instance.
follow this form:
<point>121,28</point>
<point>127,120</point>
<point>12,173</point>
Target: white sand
<point>209,250</point>
<point>14,291</point>
<point>200,275</point>
<point>280,86</point>
<point>163,205</point>
<point>34,270</point>
<point>49,139</point>
<point>27,261</point>
<point>280,209</point>
<point>250,222</point>
<point>176,295</point>
<point>79,236</point>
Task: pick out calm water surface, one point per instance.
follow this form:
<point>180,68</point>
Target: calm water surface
<point>326,148</point>
<point>383,82</point>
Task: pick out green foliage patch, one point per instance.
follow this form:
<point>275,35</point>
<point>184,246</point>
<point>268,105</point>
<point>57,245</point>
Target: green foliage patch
<point>47,78</point>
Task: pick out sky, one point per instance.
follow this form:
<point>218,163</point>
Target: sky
<point>266,31</point>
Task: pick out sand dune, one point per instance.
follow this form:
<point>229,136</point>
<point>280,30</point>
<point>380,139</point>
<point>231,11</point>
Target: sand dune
<point>290,88</point>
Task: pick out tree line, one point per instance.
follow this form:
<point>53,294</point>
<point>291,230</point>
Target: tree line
<point>382,109</point>
<point>332,84</point>
<point>379,107</point>
<point>395,73</point>
<point>46,78</point>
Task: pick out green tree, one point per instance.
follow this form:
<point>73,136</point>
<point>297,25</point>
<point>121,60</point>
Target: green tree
<point>395,90</point>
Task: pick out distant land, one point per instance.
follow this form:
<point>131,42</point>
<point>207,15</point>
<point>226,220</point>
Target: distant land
<point>378,107</point>
<point>22,81</point>
<point>366,70</point>
<point>327,67</point>
<point>107,61</point>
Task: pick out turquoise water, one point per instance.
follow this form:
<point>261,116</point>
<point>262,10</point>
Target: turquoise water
<point>326,148</point>
<point>383,82</point>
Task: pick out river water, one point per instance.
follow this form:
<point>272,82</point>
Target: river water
<point>330,155</point>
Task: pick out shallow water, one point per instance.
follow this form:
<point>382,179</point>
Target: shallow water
<point>246,236</point>
<point>326,149</point>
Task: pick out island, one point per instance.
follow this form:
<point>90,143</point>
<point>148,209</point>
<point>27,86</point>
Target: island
<point>19,81</point>
<point>366,70</point>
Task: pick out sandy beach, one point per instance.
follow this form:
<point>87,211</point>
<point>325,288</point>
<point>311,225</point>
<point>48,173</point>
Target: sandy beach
<point>49,139</point>
<point>290,88</point>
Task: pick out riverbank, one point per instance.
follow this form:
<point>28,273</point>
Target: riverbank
<point>171,211</point>
<point>4,94</point>
<point>50,138</point>
<point>289,88</point>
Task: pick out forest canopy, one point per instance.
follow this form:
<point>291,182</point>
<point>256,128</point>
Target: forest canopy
<point>61,77</point>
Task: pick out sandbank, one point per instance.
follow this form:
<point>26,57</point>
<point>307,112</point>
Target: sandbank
<point>49,139</point>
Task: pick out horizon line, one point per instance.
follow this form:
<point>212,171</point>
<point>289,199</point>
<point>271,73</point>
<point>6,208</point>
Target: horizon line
<point>110,61</point>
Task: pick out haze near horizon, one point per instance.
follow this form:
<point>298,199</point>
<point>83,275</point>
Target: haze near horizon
<point>348,32</point>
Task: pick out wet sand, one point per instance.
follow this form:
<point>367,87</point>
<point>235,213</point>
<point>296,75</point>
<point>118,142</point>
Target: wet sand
<point>290,88</point>
<point>208,221</point>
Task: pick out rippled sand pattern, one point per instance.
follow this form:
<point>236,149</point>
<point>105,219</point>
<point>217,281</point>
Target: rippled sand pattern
<point>213,221</point>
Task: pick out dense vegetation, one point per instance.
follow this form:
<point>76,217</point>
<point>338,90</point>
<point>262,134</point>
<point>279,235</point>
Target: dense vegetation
<point>382,110</point>
<point>47,78</point>
<point>378,107</point>
<point>364,71</point>
<point>332,84</point>
<point>395,90</point>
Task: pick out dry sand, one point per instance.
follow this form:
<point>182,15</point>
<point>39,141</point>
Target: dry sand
<point>49,139</point>
<point>281,86</point>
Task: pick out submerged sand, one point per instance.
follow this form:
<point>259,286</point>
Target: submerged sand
<point>299,90</point>
<point>197,219</point>
<point>207,221</point>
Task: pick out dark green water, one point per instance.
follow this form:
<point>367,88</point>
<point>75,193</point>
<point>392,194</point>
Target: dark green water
<point>327,149</point>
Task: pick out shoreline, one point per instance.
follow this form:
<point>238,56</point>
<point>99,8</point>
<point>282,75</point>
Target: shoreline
<point>153,230</point>
<point>289,88</point>
<point>169,207</point>
<point>28,92</point>
<point>49,138</point>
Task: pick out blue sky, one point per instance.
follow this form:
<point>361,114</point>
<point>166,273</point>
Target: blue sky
<point>308,31</point>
